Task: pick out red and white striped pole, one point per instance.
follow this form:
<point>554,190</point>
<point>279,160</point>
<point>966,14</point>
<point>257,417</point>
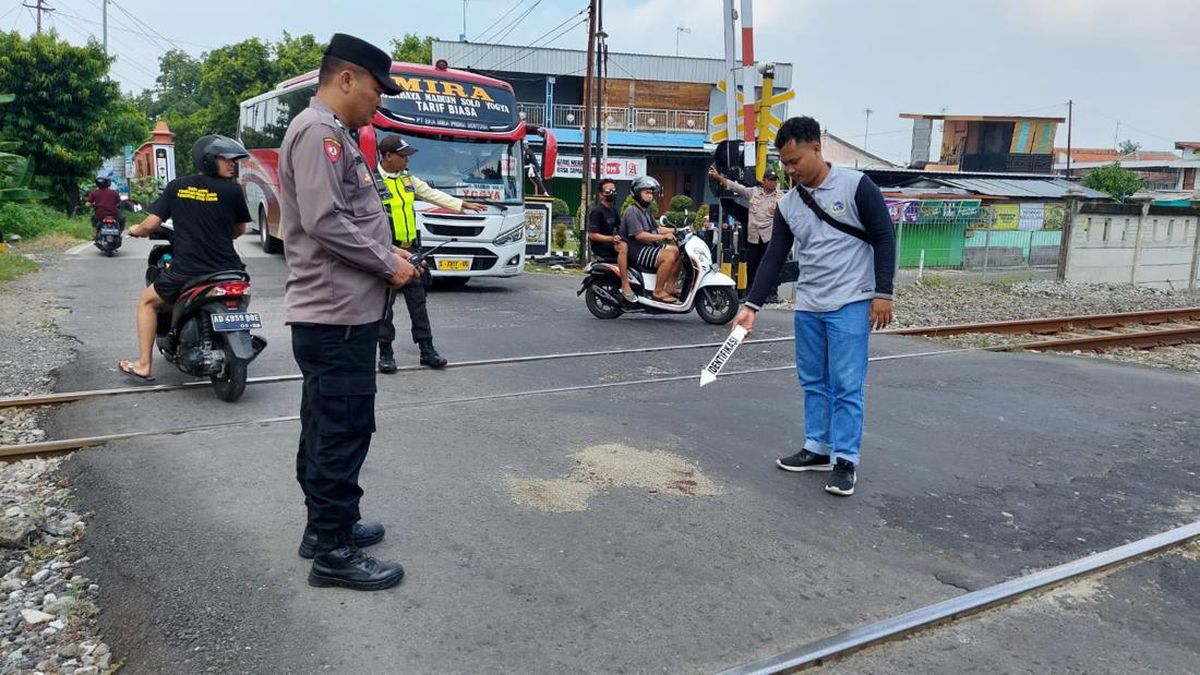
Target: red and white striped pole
<point>749,85</point>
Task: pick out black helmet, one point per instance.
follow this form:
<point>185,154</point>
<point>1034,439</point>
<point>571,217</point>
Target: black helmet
<point>102,182</point>
<point>206,151</point>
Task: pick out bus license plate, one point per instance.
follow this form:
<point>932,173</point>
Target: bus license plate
<point>454,264</point>
<point>231,322</point>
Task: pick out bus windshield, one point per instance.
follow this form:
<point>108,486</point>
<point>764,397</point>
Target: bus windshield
<point>473,170</point>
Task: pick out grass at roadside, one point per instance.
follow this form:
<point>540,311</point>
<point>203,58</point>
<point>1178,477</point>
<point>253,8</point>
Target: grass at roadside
<point>13,265</point>
<point>41,230</point>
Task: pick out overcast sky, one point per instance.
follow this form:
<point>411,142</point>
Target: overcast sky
<point>1129,63</point>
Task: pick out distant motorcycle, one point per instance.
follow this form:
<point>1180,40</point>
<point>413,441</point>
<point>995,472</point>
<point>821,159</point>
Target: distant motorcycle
<point>108,235</point>
<point>712,293</point>
<point>206,333</point>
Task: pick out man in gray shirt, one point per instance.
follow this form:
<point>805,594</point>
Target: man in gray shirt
<point>844,290</point>
<point>341,261</point>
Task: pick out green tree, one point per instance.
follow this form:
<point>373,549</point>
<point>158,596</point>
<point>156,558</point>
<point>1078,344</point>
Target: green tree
<point>66,116</point>
<point>1128,147</point>
<point>413,48</point>
<point>198,96</point>
<point>1117,182</point>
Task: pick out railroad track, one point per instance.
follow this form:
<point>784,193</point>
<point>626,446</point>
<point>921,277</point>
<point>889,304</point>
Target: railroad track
<point>26,450</point>
<point>1138,339</point>
<point>955,609</point>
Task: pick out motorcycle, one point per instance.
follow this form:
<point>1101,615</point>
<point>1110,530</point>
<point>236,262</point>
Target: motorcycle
<point>704,287</point>
<point>108,235</point>
<point>206,333</point>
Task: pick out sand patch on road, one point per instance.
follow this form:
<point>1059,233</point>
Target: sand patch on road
<point>601,467</point>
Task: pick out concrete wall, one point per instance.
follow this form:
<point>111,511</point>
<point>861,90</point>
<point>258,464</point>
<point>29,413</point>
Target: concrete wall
<point>1152,246</point>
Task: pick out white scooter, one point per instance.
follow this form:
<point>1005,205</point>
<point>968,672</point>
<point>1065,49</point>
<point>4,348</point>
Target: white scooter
<point>712,293</point>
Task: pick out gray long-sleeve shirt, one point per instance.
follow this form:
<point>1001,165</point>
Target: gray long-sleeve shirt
<point>335,231</point>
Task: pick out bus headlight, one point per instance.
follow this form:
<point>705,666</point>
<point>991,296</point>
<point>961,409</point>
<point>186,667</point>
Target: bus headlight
<point>510,237</point>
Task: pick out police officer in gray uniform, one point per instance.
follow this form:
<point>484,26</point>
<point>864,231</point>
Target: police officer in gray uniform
<point>341,263</point>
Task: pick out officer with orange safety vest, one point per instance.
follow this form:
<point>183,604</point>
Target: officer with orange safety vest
<point>405,189</point>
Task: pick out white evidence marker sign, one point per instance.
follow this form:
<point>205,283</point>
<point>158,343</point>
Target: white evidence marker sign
<point>710,372</point>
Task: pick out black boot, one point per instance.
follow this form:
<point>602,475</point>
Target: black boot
<point>365,534</point>
<point>429,355</point>
<point>339,562</point>
<point>387,359</point>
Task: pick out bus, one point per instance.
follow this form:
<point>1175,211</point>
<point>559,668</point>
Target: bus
<point>471,143</point>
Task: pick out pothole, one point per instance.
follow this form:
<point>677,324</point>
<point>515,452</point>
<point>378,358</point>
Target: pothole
<point>612,465</point>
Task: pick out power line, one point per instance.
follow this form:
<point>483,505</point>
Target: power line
<point>126,29</point>
<point>487,49</point>
<point>529,49</point>
<point>130,62</point>
<point>495,24</point>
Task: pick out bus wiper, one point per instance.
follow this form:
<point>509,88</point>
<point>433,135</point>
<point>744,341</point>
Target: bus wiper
<point>499,205</point>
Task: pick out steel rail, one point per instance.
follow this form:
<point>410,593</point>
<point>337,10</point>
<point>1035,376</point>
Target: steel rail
<point>1046,325</point>
<point>24,450</point>
<point>1056,324</point>
<point>901,626</point>
<point>1146,339</point>
<point>72,396</point>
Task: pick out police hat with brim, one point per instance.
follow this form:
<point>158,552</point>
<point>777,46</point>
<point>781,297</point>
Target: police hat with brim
<point>397,145</point>
<point>366,56</point>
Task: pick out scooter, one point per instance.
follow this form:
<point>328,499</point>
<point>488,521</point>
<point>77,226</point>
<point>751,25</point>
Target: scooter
<point>206,333</point>
<point>108,235</point>
<point>704,287</point>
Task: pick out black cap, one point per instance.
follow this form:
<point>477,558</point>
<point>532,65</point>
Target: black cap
<point>397,145</point>
<point>770,174</point>
<point>366,56</point>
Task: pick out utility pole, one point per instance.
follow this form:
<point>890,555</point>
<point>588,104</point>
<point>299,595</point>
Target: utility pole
<point>40,7</point>
<point>731,80</point>
<point>867,131</point>
<point>104,14</point>
<point>1070,116</point>
<point>463,36</point>
<point>585,190</point>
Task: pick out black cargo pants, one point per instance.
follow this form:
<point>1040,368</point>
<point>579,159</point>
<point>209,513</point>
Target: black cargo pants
<point>337,418</point>
<point>414,298</point>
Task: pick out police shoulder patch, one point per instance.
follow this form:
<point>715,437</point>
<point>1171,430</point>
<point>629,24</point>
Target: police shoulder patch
<point>333,149</point>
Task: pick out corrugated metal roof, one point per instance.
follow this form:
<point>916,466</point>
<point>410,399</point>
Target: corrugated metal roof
<point>550,61</point>
<point>1052,188</point>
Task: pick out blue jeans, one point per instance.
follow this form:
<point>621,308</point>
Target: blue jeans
<point>831,360</point>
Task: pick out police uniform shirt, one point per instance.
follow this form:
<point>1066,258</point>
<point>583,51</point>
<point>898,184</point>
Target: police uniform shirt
<point>204,211</point>
<point>336,233</point>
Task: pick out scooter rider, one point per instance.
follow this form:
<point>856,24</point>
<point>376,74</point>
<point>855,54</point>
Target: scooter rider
<point>648,243</point>
<point>209,211</point>
<point>105,203</point>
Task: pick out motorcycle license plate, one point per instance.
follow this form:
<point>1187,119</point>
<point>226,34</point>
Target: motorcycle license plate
<point>109,230</point>
<point>454,264</point>
<point>230,322</point>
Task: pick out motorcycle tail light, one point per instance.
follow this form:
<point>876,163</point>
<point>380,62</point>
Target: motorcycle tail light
<point>238,288</point>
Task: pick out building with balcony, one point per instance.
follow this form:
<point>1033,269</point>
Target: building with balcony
<point>655,116</point>
<point>986,143</point>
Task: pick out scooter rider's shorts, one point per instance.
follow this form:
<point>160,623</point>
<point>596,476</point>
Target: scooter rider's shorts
<point>168,285</point>
<point>647,257</point>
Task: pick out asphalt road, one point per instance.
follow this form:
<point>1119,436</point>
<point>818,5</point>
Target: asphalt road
<point>540,534</point>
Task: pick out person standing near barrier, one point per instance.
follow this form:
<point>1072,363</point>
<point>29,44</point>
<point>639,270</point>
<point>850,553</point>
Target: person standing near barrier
<point>403,189</point>
<point>341,264</point>
<point>763,200</point>
<point>839,223</point>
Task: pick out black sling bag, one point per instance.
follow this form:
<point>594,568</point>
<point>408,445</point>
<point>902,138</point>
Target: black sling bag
<point>839,226</point>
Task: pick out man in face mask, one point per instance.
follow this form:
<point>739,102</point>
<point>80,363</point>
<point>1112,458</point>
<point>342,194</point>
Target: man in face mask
<point>603,223</point>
